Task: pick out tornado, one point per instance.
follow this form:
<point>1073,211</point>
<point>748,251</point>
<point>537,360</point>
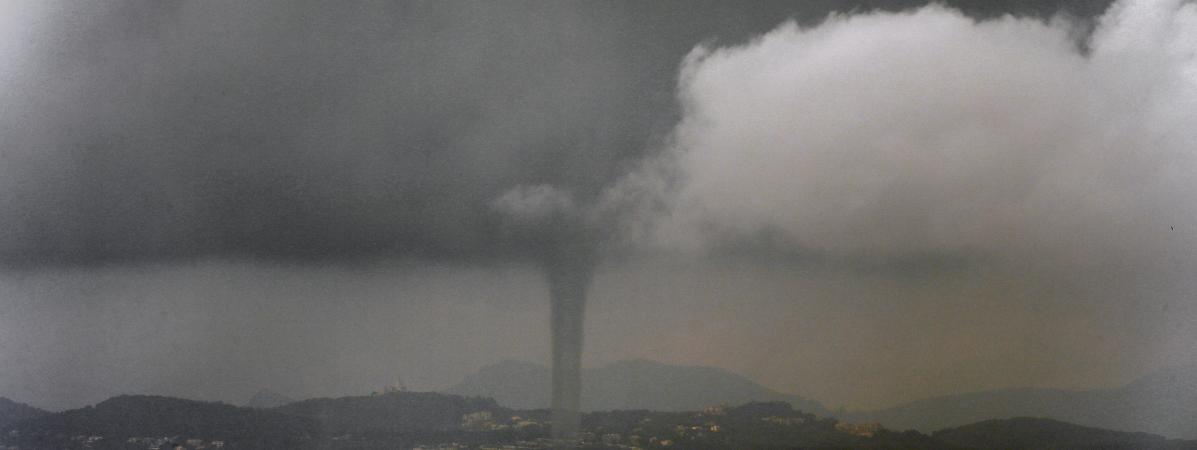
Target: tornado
<point>563,238</point>
<point>569,267</point>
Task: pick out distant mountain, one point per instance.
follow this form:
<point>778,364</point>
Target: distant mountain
<point>1046,434</point>
<point>514,384</point>
<point>267,398</point>
<point>153,416</point>
<point>401,419</point>
<point>1163,403</point>
<point>12,412</point>
<point>396,412</point>
<point>626,385</point>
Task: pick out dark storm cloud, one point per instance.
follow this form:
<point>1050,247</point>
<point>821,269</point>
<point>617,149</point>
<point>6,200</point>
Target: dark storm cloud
<point>299,130</point>
<point>312,130</point>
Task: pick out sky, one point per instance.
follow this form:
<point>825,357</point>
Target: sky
<point>861,202</point>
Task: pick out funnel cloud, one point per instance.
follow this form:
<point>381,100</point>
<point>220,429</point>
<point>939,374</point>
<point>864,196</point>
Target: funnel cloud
<point>566,244</point>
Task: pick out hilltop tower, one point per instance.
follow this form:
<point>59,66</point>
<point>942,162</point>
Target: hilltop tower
<point>396,387</point>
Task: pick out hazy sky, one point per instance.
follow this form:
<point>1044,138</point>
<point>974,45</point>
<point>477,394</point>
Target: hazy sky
<point>205,198</point>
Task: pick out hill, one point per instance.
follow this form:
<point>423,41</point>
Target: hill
<point>1164,403</point>
<point>514,384</point>
<point>267,398</point>
<point>398,412</point>
<point>12,412</point>
<point>391,420</point>
<point>756,425</point>
<point>1046,434</point>
<point>627,385</point>
<point>131,416</point>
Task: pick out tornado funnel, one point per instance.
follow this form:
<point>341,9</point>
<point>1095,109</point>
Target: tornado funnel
<point>569,271</point>
<point>564,240</point>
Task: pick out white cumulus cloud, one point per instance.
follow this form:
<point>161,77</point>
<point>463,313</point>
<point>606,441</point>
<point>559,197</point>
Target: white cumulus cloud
<point>887,135</point>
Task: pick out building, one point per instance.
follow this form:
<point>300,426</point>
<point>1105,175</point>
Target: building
<point>859,429</point>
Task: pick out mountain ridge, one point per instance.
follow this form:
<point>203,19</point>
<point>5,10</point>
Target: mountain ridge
<point>405,419</point>
<point>266,398</point>
<point>1163,402</point>
<point>1029,433</point>
<point>626,385</point>
<point>13,411</point>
